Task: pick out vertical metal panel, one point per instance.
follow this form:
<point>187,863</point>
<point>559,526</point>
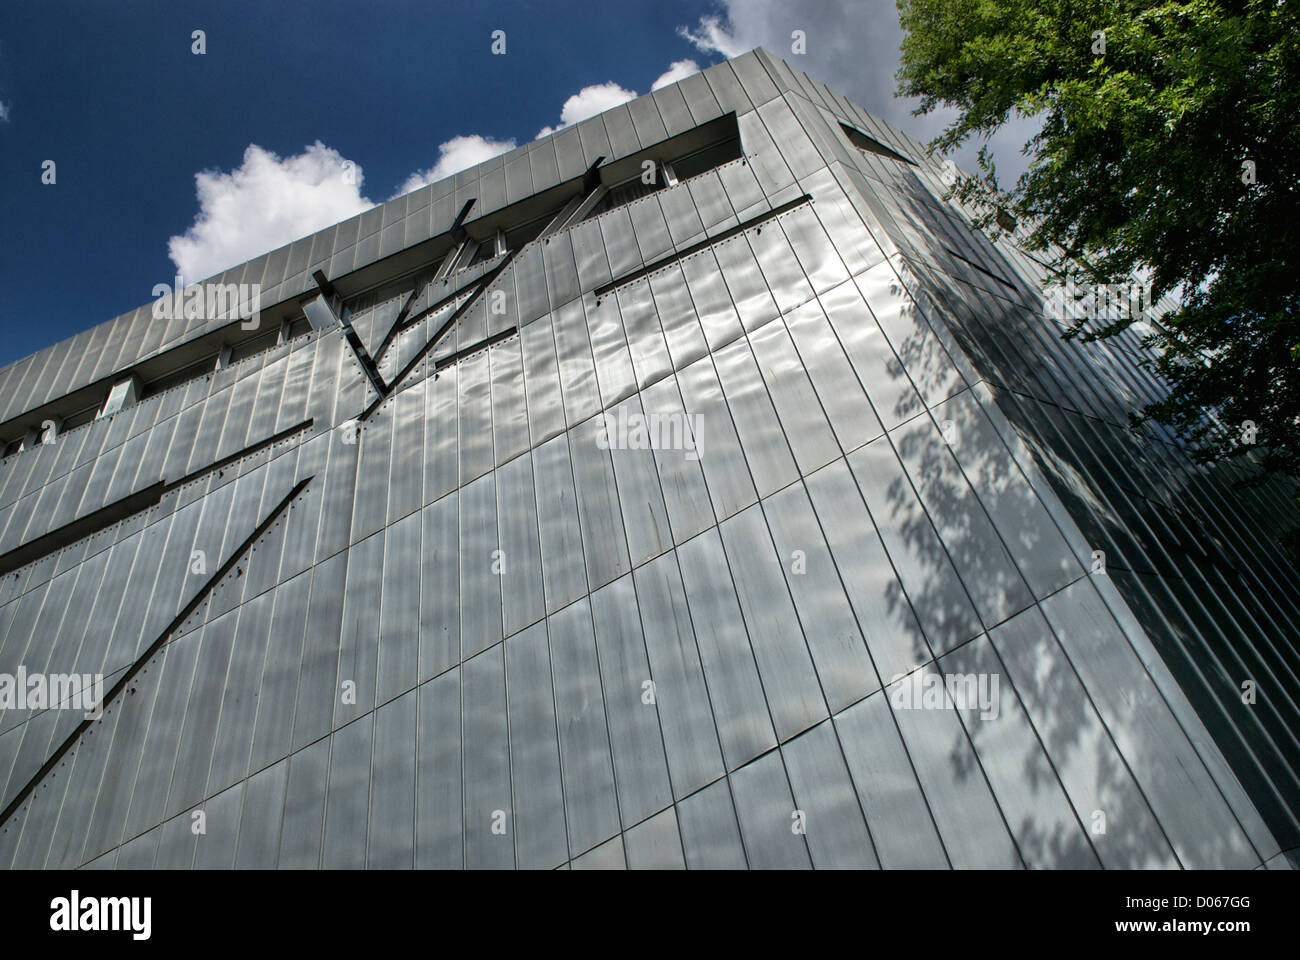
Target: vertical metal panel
<point>881,375</point>
<point>745,282</point>
<point>542,382</point>
<point>259,823</point>
<point>406,472</point>
<point>906,329</point>
<point>521,569</point>
<point>202,713</point>
<point>595,142</point>
<point>620,242</point>
<point>391,842</point>
<point>766,160</point>
<point>968,818</point>
<point>1043,558</point>
<point>176,843</point>
<point>234,737</point>
<point>922,566</point>
<point>576,367</point>
<point>317,690</point>
<point>441,453</point>
<point>278,686</point>
<point>755,79</point>
<point>623,140</point>
<point>509,411</point>
<point>897,813</point>
<point>599,517</point>
<point>374,451</point>
<point>1204,833</point>
<point>979,554</point>
<point>541,836</point>
<point>683,221</point>
<point>359,640</point>
<point>699,98</point>
<point>641,502</point>
<point>681,325</point>
<point>541,161</point>
<point>560,267</point>
<point>607,856</point>
<point>113,798</point>
<point>439,839</point>
<point>84,775</point>
<point>215,849</point>
<point>519,179</point>
<point>800,412</point>
<point>645,339</point>
<point>842,397</point>
<point>589,789</point>
<point>713,440</point>
<point>833,822</point>
<point>487,763</point>
<point>174,675</point>
<point>530,284</point>
<point>894,638</point>
<point>765,448</point>
<point>649,228</point>
<point>589,255</point>
<point>739,706</point>
<point>480,583</point>
<point>711,301</point>
<point>710,831</point>
<point>672,108</point>
<point>640,766</point>
<point>655,844</point>
<point>789,679</point>
<point>439,622</point>
<point>1047,831</point>
<point>645,118</point>
<point>561,537</point>
<point>302,521</point>
<point>796,148</point>
<point>399,615</point>
<point>304,807</point>
<point>766,812</point>
<point>613,363</point>
<point>139,854</point>
<point>208,434</point>
<point>836,643</point>
<point>347,801</point>
<point>682,480</point>
<point>568,153</point>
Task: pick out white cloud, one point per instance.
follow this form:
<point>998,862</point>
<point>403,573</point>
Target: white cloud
<point>4,112</point>
<point>677,70</point>
<point>455,155</point>
<point>853,48</point>
<point>263,204</point>
<point>710,36</point>
<point>588,102</point>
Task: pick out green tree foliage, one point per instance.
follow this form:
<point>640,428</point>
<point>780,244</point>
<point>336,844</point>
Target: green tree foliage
<point>1154,117</point>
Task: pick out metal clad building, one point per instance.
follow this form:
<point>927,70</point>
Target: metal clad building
<point>753,516</point>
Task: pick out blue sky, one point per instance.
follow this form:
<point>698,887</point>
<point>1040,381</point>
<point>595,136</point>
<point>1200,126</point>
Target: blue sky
<point>406,90</point>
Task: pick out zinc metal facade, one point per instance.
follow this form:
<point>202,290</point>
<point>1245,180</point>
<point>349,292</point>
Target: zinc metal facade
<point>438,623</point>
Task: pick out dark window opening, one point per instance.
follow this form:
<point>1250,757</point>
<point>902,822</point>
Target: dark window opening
<point>871,145</point>
<point>176,378</point>
<point>486,250</point>
<point>253,345</point>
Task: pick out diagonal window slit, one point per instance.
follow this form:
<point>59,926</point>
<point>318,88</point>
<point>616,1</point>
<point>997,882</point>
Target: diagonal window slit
<point>125,680</point>
<point>129,505</point>
<point>682,254</point>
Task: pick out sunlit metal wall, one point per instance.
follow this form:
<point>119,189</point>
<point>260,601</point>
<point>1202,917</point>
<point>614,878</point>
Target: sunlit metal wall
<point>450,626</point>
